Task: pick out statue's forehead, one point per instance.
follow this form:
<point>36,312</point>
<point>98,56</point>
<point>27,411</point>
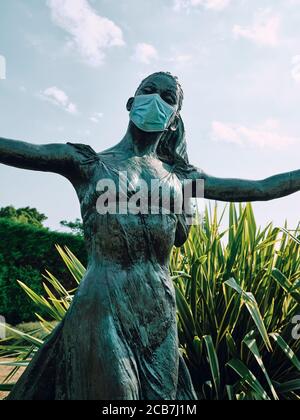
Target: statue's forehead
<point>161,81</point>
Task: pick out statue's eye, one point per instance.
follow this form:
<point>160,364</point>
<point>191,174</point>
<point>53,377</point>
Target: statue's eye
<point>148,90</point>
<point>169,99</point>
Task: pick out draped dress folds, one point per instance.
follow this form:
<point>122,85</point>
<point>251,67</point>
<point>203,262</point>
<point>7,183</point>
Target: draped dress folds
<point>118,340</point>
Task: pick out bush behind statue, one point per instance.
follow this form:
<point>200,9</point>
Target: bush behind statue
<point>26,251</point>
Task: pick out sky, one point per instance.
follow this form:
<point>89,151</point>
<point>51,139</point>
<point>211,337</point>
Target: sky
<point>67,68</point>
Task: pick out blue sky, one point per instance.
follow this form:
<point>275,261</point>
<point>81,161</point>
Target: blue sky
<point>71,65</point>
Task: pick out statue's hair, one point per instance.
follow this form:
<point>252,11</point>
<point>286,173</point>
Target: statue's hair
<point>172,149</point>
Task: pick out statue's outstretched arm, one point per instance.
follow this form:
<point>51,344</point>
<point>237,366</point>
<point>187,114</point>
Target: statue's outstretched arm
<point>242,190</point>
<point>58,158</point>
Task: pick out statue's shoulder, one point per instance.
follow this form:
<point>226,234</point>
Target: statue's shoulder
<point>84,152</point>
<point>186,170</point>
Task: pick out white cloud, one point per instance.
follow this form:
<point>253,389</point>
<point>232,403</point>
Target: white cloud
<point>266,135</point>
<point>216,5</point>
<point>264,30</point>
<point>96,117</point>
<point>296,68</point>
<point>59,98</point>
<point>88,32</point>
<point>145,53</point>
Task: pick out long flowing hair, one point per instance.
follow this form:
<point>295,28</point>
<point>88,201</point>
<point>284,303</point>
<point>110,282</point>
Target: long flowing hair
<point>172,149</point>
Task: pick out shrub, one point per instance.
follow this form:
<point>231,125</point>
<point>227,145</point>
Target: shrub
<point>25,252</point>
<point>236,299</point>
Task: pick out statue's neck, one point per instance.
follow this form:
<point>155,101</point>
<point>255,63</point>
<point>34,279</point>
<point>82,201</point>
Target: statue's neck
<point>138,143</point>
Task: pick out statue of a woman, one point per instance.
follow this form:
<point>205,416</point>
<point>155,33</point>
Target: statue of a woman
<point>119,338</point>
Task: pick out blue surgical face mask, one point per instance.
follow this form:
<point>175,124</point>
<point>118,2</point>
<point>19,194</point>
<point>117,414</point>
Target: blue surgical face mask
<point>151,113</point>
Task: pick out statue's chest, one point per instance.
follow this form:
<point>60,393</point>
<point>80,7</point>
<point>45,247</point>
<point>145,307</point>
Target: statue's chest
<point>151,174</point>
<point>143,183</point>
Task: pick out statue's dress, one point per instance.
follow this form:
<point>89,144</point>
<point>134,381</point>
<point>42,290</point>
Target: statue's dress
<point>119,339</point>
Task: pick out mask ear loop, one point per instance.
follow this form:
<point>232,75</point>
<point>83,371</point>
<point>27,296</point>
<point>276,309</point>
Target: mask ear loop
<point>173,127</point>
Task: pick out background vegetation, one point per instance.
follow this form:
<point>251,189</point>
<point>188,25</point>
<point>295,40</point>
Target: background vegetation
<point>27,249</point>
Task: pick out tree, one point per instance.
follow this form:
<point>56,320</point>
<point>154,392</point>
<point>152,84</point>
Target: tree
<point>26,215</point>
<point>76,226</point>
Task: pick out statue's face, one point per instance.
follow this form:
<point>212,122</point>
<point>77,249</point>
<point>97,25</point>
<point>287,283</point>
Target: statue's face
<point>164,85</point>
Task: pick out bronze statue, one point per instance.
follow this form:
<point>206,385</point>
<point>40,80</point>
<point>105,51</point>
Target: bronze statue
<point>119,338</point>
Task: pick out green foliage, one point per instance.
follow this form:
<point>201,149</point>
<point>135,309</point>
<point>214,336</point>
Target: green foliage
<point>23,215</point>
<point>25,252</point>
<point>237,292</point>
<point>76,227</point>
<point>13,305</point>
